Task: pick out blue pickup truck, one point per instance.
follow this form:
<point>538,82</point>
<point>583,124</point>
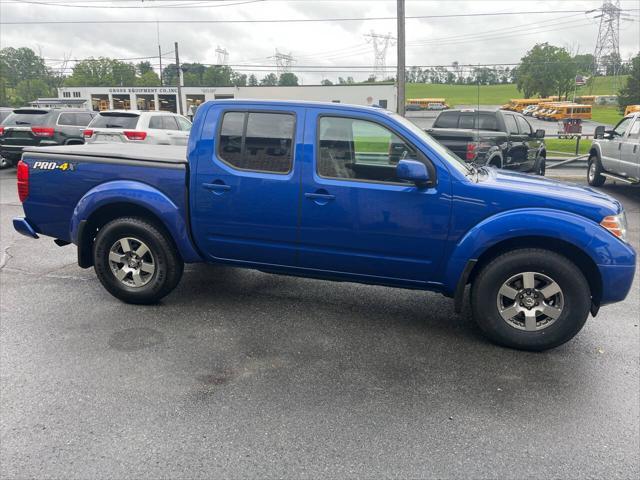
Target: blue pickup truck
<point>336,192</point>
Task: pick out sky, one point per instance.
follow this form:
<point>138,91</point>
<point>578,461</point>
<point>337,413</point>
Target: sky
<point>332,48</point>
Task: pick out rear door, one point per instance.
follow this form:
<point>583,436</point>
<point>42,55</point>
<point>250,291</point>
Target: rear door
<point>245,194</point>
<point>630,150</point>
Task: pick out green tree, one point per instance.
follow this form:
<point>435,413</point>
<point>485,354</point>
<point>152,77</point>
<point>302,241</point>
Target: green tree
<point>630,93</point>
<point>270,80</point>
<point>288,79</point>
<point>239,79</point>
<point>326,82</point>
<point>253,80</point>
<point>218,76</point>
<point>546,70</point>
<point>584,63</point>
<point>29,90</point>
<point>144,67</point>
<point>148,79</point>
<point>102,72</point>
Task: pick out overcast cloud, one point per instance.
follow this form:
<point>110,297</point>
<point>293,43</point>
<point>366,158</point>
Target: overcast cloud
<point>473,40</point>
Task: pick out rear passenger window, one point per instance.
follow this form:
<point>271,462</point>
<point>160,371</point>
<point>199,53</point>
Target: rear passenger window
<point>466,121</point>
<point>261,142</point>
<point>169,123</point>
<point>510,122</point>
<point>67,119</point>
<point>155,122</point>
<point>447,120</point>
<point>83,119</point>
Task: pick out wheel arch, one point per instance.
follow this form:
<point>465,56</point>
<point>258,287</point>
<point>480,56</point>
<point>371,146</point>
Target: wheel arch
<point>570,251</point>
<point>126,199</point>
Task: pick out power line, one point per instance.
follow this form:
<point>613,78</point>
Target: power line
<point>192,4</point>
<point>287,20</point>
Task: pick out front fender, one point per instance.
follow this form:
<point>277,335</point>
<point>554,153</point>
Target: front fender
<point>142,195</point>
<point>602,247</point>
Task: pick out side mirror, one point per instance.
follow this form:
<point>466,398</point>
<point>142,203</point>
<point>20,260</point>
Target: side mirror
<point>413,171</point>
<point>540,133</point>
<point>599,132</point>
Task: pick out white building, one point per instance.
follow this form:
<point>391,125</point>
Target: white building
<point>166,98</point>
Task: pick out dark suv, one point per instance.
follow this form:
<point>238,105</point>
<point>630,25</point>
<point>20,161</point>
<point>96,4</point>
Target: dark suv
<point>40,127</point>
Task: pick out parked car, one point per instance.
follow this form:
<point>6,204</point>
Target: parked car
<point>336,192</point>
<point>412,107</point>
<point>130,126</point>
<point>500,138</point>
<point>615,153</point>
<point>437,106</point>
<point>4,113</point>
<point>41,127</point>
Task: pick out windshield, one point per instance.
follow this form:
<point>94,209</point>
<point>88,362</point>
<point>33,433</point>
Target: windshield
<point>115,121</point>
<point>17,119</point>
<point>446,154</point>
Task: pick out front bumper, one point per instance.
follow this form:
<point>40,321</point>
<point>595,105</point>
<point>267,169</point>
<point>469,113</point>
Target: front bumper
<point>22,226</point>
<point>616,282</point>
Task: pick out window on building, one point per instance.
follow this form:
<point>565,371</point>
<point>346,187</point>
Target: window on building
<point>382,103</point>
<point>360,150</point>
<point>261,142</point>
<point>66,94</point>
<point>76,94</point>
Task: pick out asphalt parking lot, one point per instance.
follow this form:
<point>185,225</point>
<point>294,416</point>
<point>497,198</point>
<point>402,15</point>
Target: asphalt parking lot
<point>245,374</point>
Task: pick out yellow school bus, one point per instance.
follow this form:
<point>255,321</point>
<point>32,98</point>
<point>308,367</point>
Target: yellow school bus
<point>586,99</point>
<point>519,104</point>
<point>574,110</point>
<point>631,109</point>
<point>425,102</point>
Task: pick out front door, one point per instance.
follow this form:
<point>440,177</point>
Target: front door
<point>246,196</point>
<point>610,148</point>
<point>630,151</point>
<point>357,218</point>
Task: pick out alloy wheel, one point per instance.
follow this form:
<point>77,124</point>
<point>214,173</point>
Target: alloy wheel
<point>132,262</point>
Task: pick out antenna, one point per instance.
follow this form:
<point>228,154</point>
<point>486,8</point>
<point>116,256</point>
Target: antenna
<point>380,45</point>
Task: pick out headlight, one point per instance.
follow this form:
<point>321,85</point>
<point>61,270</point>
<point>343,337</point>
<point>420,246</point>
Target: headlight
<point>616,224</point>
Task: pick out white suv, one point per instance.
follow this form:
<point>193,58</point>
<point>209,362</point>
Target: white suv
<point>159,128</point>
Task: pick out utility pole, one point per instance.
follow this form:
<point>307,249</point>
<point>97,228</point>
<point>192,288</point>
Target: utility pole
<point>400,76</point>
<point>179,79</point>
<point>159,50</point>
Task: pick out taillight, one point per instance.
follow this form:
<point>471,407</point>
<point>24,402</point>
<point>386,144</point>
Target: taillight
<point>42,131</point>
<point>471,151</point>
<point>1,131</point>
<point>133,135</point>
<point>87,133</point>
<point>23,180</point>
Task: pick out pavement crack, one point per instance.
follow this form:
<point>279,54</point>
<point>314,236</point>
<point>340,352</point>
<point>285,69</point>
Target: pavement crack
<point>6,256</point>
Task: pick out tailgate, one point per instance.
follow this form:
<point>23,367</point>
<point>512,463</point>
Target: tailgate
<point>454,139</point>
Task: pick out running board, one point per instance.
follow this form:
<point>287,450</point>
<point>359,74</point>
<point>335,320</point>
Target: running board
<point>632,181</point>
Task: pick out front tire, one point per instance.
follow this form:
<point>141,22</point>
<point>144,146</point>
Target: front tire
<point>136,261</point>
<point>530,299</point>
<point>594,172</point>
<point>540,167</point>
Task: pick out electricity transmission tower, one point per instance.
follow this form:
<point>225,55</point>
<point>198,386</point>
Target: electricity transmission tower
<point>284,62</point>
<point>608,42</point>
<point>222,56</point>
<point>380,45</point>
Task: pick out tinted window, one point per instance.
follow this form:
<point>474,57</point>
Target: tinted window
<point>67,119</point>
<point>359,150</point>
<point>260,142</point>
<point>487,122</point>
<point>230,141</point>
<point>510,122</point>
<point>18,119</point>
<point>466,121</point>
<point>447,120</point>
<point>115,121</point>
<point>524,126</point>
<point>74,119</point>
<point>83,119</point>
<point>155,122</point>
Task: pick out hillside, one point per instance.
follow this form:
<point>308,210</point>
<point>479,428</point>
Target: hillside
<point>496,94</point>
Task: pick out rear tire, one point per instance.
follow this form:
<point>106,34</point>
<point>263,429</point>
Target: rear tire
<point>594,172</point>
<point>530,299</point>
<point>136,261</point>
<point>4,163</point>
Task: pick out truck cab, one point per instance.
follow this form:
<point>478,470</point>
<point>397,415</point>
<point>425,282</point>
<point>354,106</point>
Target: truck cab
<point>615,153</point>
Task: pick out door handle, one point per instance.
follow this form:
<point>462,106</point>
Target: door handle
<point>320,196</point>
<point>620,146</point>
<point>217,188</point>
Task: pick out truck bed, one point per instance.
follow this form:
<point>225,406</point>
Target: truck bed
<point>172,154</point>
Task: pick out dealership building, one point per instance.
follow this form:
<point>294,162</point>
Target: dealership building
<point>166,98</point>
